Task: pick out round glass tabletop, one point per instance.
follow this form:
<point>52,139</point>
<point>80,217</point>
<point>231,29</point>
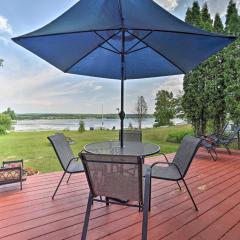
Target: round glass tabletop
<point>129,148</point>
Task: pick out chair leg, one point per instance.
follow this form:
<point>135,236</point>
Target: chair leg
<point>150,195</point>
<point>228,150</point>
<point>179,185</point>
<point>58,185</point>
<point>190,195</point>
<point>87,216</point>
<point>69,177</point>
<point>107,201</point>
<point>146,205</point>
<point>216,156</point>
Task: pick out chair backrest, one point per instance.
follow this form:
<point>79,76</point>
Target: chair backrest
<point>186,153</point>
<point>232,136</point>
<point>62,149</point>
<point>131,135</point>
<point>224,129</point>
<point>114,176</point>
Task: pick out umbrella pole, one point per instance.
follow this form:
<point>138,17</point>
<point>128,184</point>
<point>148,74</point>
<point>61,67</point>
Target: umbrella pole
<point>122,113</point>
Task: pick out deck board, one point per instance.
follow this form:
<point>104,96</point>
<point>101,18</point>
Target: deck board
<point>31,214</point>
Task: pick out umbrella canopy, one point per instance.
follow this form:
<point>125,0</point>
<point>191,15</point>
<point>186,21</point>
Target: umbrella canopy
<point>122,39</point>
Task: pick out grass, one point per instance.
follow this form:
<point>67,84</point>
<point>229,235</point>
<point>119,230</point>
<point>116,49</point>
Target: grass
<point>36,151</point>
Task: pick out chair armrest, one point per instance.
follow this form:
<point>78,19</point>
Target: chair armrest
<point>168,163</point>
<point>75,158</point>
<point>156,163</point>
<point>164,156</point>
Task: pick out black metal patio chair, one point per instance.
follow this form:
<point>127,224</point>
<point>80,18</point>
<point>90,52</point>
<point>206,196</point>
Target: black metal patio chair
<point>224,140</point>
<point>116,177</point>
<point>208,141</point>
<point>70,164</point>
<point>210,147</point>
<point>131,135</point>
<point>217,135</point>
<point>178,168</point>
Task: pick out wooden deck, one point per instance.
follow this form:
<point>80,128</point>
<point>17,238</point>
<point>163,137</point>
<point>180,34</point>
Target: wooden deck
<point>31,214</point>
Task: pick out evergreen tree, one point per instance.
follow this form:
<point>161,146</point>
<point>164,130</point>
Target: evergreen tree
<point>232,65</point>
<point>196,82</point>
<point>188,18</point>
<point>196,15</point>
<point>206,21</point>
<point>218,25</point>
<point>232,19</point>
<point>214,86</point>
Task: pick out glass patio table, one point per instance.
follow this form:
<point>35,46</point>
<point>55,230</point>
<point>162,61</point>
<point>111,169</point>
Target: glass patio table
<point>129,148</point>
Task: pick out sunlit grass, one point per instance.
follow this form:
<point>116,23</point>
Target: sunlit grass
<point>36,151</point>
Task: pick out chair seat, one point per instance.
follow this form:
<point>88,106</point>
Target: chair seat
<point>168,172</point>
<point>75,166</point>
<point>207,145</point>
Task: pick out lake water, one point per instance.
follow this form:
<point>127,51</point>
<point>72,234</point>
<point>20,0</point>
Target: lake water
<point>73,124</point>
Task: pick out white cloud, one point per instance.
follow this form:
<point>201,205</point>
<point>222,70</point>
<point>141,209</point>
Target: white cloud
<point>168,4</point>
<point>172,84</point>
<point>5,26</point>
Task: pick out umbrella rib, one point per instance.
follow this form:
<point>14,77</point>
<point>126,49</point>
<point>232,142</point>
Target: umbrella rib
<point>99,45</point>
<point>137,49</point>
<point>108,42</point>
<point>129,50</point>
<point>109,50</point>
<point>160,54</point>
<point>116,29</point>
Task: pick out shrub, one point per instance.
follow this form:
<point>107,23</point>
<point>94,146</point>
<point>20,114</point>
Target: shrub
<point>2,130</point>
<point>81,126</point>
<point>130,126</point>
<point>177,137</point>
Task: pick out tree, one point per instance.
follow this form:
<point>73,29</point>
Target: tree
<point>188,17</point>
<point>11,113</point>
<point>195,82</point>
<point>141,110</point>
<point>218,25</point>
<point>1,62</point>
<point>196,15</point>
<point>164,108</point>
<point>81,126</point>
<point>5,123</point>
<point>178,108</point>
<point>206,21</point>
<point>232,65</point>
<point>232,19</point>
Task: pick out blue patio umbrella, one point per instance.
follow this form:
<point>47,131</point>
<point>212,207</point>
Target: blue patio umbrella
<point>122,39</point>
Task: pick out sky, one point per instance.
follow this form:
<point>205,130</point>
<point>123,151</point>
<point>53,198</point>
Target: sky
<point>29,84</point>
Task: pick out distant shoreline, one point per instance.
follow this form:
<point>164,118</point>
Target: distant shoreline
<point>52,116</point>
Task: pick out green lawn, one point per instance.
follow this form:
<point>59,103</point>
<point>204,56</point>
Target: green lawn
<point>36,151</point>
